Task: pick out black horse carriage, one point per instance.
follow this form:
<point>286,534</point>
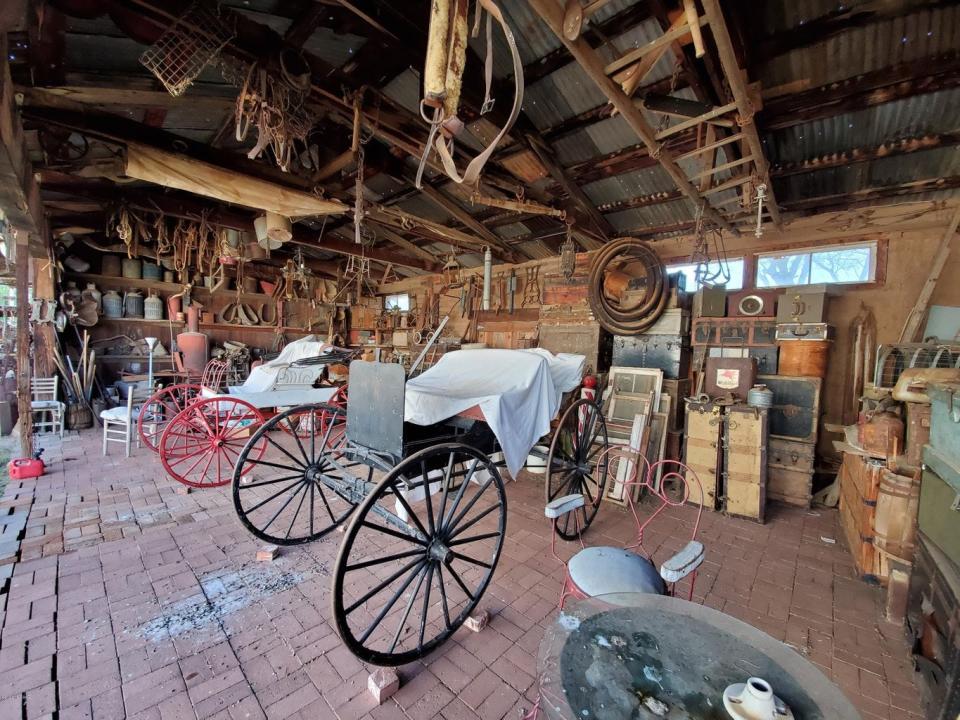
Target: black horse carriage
<point>424,506</point>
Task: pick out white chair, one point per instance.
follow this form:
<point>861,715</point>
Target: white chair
<point>119,423</point>
<point>43,401</point>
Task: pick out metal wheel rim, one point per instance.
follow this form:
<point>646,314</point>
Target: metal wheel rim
<point>574,481</point>
<point>172,399</point>
<point>456,512</point>
<point>208,436</point>
<point>303,482</point>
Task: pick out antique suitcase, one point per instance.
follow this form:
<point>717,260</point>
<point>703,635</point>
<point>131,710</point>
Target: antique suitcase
<point>766,358</point>
<point>805,331</point>
<point>790,471</point>
<point>587,339</point>
<point>731,375</point>
<point>710,302</point>
<point>795,414</point>
<point>802,305</point>
<point>669,353</point>
<point>745,461</point>
<point>702,449</point>
<point>933,621</point>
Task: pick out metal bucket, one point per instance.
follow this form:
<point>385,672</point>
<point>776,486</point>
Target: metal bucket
<point>131,268</point>
<point>760,396</point>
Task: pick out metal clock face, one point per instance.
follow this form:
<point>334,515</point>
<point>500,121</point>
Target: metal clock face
<point>751,305</point>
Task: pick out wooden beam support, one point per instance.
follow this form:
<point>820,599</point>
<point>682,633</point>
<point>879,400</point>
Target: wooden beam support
<point>872,195</point>
<point>642,201</point>
<point>736,78</point>
<point>552,14</point>
<point>497,245</point>
<point>905,146</point>
<point>119,97</point>
<point>24,396</point>
<point>693,122</point>
<point>583,204</point>
<point>401,242</point>
<point>898,82</point>
<point>914,323</point>
<point>19,193</point>
<point>637,54</point>
<point>194,176</point>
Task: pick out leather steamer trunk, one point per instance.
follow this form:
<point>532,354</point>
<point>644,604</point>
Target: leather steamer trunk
<point>790,471</point>
<point>745,461</point>
<point>795,414</point>
<point>701,453</point>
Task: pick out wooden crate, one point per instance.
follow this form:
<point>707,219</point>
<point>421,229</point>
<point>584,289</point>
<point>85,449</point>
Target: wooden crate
<point>864,554</point>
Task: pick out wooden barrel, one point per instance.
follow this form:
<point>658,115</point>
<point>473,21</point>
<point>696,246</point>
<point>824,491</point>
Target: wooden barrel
<point>895,521</point>
<point>78,417</point>
<point>804,358</point>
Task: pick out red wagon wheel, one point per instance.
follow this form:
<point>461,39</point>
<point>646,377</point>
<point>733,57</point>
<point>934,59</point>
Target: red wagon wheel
<point>308,423</point>
<point>201,444</point>
<point>161,408</point>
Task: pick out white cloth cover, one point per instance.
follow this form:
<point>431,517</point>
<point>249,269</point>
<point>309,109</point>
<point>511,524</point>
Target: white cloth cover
<point>515,389</point>
<point>263,377</point>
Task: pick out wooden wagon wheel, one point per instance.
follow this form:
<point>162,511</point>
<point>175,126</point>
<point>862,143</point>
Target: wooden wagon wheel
<point>288,490</point>
<point>201,444</point>
<point>161,408</point>
<point>577,463</point>
<point>308,423</point>
<point>419,554</point>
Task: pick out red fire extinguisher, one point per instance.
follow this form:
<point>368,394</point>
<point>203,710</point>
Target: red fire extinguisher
<point>25,468</point>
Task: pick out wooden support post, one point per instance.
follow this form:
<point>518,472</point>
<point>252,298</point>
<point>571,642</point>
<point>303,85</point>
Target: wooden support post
<point>23,344</point>
<point>911,328</point>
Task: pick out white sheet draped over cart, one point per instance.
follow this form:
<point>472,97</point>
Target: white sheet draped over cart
<point>264,377</point>
<point>517,390</point>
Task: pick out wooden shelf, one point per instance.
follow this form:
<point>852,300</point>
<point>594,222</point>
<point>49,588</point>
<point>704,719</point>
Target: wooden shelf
<point>160,286</point>
<point>104,318</point>
<point>255,328</point>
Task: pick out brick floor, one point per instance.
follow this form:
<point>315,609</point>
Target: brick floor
<point>123,598</point>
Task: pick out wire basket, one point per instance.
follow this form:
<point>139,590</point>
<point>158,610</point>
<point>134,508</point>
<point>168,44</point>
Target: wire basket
<point>179,56</point>
<point>892,360</point>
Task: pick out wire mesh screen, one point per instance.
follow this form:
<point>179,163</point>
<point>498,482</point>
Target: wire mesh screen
<point>892,360</point>
<point>179,56</point>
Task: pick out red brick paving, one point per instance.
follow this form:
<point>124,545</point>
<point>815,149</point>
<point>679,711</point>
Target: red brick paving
<point>128,599</point>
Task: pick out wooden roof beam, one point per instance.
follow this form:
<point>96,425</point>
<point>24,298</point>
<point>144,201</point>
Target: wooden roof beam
<point>904,146</point>
<point>552,14</point>
<point>872,195</point>
<point>736,78</point>
<point>897,82</point>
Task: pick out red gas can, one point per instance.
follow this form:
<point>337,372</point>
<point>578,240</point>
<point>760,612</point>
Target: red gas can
<point>24,468</point>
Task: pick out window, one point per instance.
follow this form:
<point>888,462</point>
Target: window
<point>735,269</point>
<point>400,301</point>
<point>842,264</point>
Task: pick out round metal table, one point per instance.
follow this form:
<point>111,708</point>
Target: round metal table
<point>624,657</point>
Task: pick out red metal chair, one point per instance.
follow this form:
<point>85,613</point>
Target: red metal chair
<point>605,570</point>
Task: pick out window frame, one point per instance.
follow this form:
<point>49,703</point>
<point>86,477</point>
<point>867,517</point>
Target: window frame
<point>877,258</point>
<point>744,279</point>
<point>387,307</point>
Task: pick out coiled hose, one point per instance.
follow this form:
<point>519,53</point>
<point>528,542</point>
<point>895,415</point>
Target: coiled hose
<point>608,280</point>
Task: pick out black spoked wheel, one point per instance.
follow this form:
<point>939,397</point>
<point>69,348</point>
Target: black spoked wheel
<point>419,554</point>
<point>577,463</point>
<point>303,485</point>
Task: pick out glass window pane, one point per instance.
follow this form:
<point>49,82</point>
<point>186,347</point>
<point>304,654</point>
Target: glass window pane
<point>783,270</point>
<point>732,267</point>
<point>400,302</point>
<point>842,265</point>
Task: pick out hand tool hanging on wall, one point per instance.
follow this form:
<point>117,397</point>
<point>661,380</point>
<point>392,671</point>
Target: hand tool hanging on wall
<point>443,79</point>
<point>512,291</point>
<point>518,205</point>
<point>531,287</point>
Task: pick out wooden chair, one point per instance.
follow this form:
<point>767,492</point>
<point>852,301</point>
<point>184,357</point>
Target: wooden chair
<point>44,401</point>
<point>605,570</point>
<point>119,423</point>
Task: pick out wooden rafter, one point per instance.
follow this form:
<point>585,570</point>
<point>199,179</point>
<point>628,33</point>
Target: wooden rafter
<point>552,14</point>
<point>872,195</point>
<point>745,104</point>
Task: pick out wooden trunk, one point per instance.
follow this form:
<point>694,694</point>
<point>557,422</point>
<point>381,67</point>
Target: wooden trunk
<point>790,471</point>
<point>745,461</point>
<point>702,451</point>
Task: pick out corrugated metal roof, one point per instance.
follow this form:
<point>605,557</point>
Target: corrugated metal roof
<point>664,215</point>
<point>872,47</point>
<point>918,116</point>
